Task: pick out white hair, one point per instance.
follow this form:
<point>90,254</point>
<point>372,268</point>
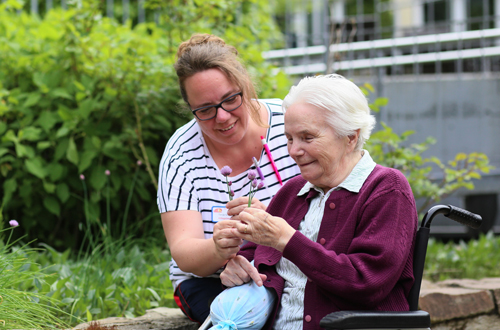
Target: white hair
<point>346,106</point>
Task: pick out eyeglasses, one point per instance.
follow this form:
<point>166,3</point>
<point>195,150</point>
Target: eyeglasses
<point>229,104</point>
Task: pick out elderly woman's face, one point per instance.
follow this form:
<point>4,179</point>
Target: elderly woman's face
<point>313,144</point>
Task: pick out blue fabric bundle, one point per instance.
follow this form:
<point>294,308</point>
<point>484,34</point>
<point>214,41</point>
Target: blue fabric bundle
<point>242,307</point>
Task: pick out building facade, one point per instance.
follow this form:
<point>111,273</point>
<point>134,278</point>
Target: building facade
<point>438,63</point>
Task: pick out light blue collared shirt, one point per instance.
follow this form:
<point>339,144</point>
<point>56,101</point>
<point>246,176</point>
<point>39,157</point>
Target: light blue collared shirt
<point>291,313</point>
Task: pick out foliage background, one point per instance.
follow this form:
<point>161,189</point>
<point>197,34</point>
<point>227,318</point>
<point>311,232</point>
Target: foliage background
<point>81,93</point>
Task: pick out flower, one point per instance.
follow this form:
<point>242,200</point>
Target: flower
<point>254,185</point>
<point>82,177</point>
<point>226,170</point>
<point>139,163</point>
<point>13,223</point>
<point>107,172</point>
<point>252,175</point>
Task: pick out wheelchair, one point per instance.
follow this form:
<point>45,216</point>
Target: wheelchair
<point>413,319</point>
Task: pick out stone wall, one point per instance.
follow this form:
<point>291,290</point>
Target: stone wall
<point>462,304</point>
<point>452,305</point>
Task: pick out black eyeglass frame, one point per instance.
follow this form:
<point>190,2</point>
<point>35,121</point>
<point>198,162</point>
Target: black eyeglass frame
<point>217,106</point>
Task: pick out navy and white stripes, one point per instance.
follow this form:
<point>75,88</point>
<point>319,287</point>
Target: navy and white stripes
<point>189,179</point>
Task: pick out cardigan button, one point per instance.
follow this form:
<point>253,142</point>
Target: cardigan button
<point>322,241</point>
<point>332,206</point>
<point>308,318</point>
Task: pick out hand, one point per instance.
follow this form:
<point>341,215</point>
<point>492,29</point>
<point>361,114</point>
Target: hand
<point>239,204</point>
<point>226,243</point>
<point>239,271</point>
<point>262,228</point>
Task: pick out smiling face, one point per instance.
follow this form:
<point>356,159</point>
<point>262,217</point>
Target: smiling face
<point>324,159</point>
<point>210,87</point>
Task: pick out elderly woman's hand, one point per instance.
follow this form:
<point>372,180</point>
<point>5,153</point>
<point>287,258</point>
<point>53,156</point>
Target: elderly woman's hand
<point>262,228</point>
<point>239,271</point>
<point>237,205</point>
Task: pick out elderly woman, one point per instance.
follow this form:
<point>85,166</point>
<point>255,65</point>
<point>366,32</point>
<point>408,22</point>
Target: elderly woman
<point>341,235</point>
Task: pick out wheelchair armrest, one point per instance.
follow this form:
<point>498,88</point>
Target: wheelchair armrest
<point>376,320</point>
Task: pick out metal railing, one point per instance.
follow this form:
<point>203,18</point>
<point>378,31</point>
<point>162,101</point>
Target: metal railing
<point>388,52</point>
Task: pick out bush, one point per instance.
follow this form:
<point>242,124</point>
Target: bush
<point>82,94</point>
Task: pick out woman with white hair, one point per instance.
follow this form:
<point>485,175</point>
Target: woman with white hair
<point>341,235</point>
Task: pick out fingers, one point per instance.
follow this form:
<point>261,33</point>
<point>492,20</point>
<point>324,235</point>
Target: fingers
<point>226,243</point>
<point>239,204</point>
<point>239,271</point>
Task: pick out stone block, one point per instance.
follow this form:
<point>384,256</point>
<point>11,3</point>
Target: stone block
<point>482,322</point>
<point>490,283</point>
<point>155,319</point>
<point>450,303</point>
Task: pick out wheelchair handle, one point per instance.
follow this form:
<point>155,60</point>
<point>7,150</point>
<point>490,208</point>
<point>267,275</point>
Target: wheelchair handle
<point>455,213</point>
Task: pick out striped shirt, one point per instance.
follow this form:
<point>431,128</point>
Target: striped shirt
<point>291,314</point>
<point>189,179</point>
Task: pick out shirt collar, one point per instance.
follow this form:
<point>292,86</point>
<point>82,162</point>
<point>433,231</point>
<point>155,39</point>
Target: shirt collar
<point>354,180</point>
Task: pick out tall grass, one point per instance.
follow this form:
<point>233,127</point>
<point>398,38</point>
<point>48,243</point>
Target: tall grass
<point>21,308</point>
<point>111,274</point>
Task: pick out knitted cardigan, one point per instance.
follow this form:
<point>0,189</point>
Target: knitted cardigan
<point>363,257</point>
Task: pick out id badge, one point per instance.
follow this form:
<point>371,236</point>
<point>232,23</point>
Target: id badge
<point>219,213</point>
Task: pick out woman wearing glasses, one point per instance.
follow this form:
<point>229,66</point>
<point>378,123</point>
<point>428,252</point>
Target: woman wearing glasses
<point>225,131</point>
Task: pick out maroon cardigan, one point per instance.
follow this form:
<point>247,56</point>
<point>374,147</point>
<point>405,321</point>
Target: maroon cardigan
<point>363,257</point>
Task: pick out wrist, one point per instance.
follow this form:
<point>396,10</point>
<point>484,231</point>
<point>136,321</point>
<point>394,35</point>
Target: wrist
<point>285,238</point>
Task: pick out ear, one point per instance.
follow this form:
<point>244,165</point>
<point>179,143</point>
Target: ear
<point>353,139</point>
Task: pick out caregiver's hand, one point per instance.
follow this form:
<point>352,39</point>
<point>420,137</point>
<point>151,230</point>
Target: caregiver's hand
<point>262,228</point>
<point>239,271</point>
<point>237,205</point>
<point>226,243</point>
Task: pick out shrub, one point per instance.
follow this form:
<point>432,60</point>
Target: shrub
<point>82,94</point>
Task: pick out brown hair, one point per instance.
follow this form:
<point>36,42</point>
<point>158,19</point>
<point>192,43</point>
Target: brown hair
<point>205,51</point>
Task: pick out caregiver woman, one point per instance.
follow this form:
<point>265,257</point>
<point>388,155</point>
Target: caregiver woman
<point>228,121</point>
<point>339,236</point>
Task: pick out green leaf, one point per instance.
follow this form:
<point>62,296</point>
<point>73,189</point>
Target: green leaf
<point>3,127</point>
<point>79,85</point>
<point>154,293</point>
<point>63,131</point>
<point>3,151</point>
<point>72,152</point>
<point>9,187</point>
<point>65,113</point>
<point>52,205</point>
<point>61,92</point>
<point>55,171</point>
<point>35,167</point>
<point>47,120</point>
<point>30,133</point>
<point>62,191</point>
<point>32,99</point>
<point>86,108</point>
<point>86,160</point>
<point>43,145</point>
<point>97,177</point>
<point>89,316</point>
<point>49,187</point>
